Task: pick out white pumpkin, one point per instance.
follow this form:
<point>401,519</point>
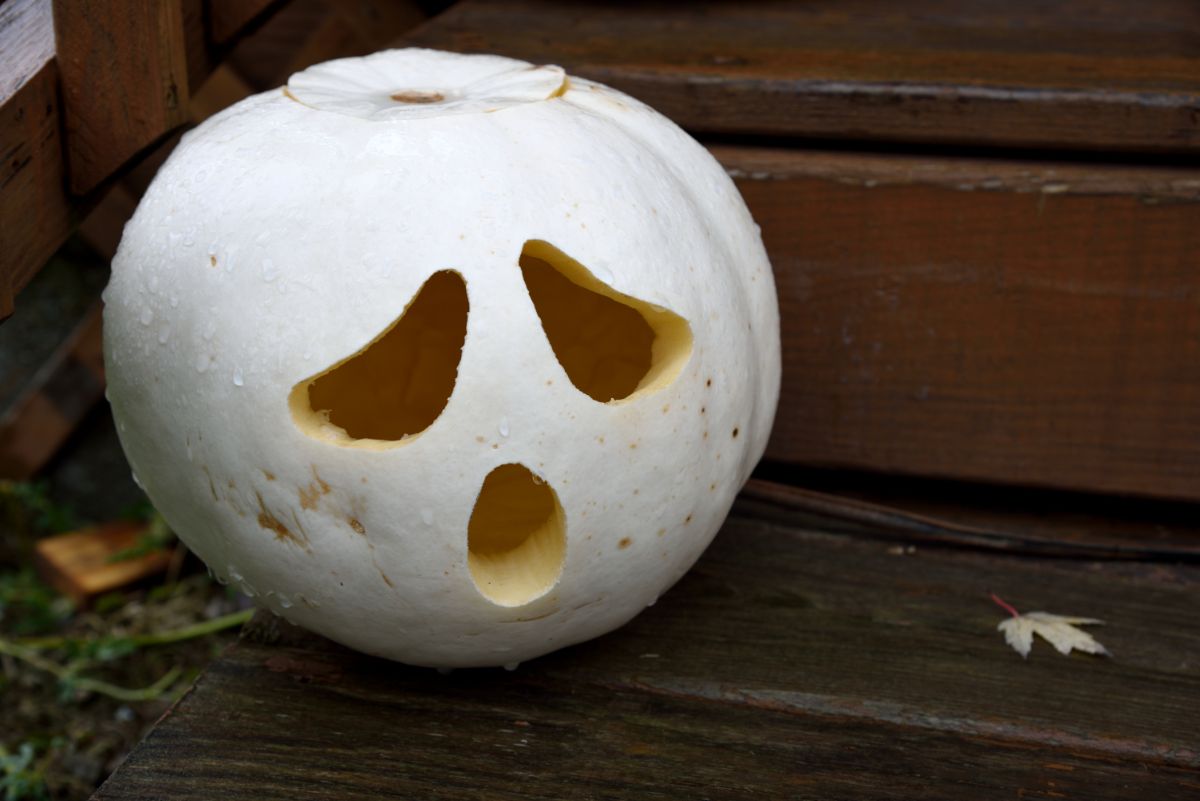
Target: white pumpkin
<point>453,359</point>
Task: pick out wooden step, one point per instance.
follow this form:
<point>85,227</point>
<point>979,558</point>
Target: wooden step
<point>789,663</point>
<point>1074,74</point>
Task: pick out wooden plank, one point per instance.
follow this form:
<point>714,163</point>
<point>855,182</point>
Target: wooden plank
<point>1076,74</point>
<point>997,321</point>
<point>84,564</point>
<point>986,516</point>
<point>787,664</point>
<point>123,69</point>
<point>36,424</point>
<point>34,206</point>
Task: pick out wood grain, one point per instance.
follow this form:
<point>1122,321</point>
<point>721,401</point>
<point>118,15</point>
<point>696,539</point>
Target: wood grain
<point>34,206</point>
<point>1070,74</point>
<point>123,70</point>
<point>1000,321</point>
<point>787,664</point>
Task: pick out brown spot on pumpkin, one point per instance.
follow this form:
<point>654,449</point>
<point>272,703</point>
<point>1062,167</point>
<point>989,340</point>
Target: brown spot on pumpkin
<point>212,488</point>
<point>708,383</point>
<point>357,526</point>
<point>480,440</point>
<point>712,487</point>
<point>320,482</point>
<point>624,543</point>
<point>418,98</point>
<point>687,520</point>
<point>385,578</point>
<point>706,435</point>
<point>269,521</point>
<point>212,260</point>
<point>662,532</point>
<point>666,408</point>
<point>231,484</point>
<point>735,432</point>
<point>269,475</point>
<point>633,446</point>
<point>703,409</point>
<point>310,497</point>
<point>600,439</point>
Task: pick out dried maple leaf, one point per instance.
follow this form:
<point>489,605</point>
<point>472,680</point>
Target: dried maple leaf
<point>1058,630</point>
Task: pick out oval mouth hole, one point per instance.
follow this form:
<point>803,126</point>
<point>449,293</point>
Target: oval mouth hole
<point>398,384</point>
<point>610,345</point>
<point>516,538</point>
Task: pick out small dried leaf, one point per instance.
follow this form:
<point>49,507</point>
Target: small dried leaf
<point>1058,630</point>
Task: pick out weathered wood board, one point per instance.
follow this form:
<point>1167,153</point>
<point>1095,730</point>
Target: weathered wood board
<point>1076,74</point>
<point>124,80</point>
<point>788,664</point>
<point>979,319</point>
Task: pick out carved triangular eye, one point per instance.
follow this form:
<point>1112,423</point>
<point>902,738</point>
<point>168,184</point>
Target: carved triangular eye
<point>398,384</point>
<point>609,344</point>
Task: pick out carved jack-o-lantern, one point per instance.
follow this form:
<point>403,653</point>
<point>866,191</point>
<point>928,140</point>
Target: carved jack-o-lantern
<point>450,358</point>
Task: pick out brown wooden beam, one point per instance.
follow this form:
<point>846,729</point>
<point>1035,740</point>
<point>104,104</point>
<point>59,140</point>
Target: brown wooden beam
<point>123,69</point>
<point>1070,74</point>
<point>985,320</point>
<point>34,207</point>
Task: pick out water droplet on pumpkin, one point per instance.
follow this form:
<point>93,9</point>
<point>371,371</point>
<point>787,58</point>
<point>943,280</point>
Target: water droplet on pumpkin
<point>164,335</point>
<point>504,426</point>
<point>284,601</point>
<point>209,330</point>
<point>237,377</point>
<point>137,481</point>
<point>269,271</point>
<point>202,362</point>
<point>427,516</point>
<point>511,666</point>
<point>147,316</point>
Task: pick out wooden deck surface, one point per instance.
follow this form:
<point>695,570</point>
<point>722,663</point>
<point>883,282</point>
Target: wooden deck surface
<point>789,663</point>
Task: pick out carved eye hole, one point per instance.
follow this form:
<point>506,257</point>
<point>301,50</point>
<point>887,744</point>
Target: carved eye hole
<point>396,386</point>
<point>610,345</point>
